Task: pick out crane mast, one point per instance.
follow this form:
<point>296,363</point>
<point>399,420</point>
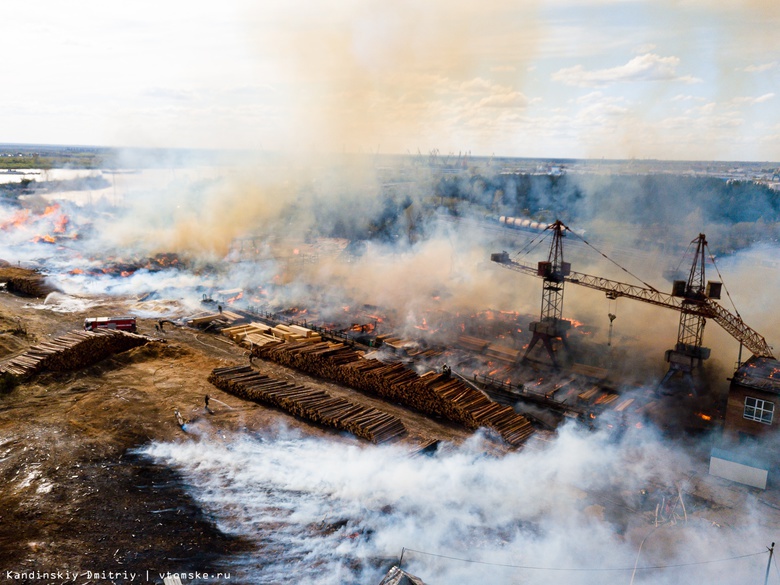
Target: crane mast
<point>694,299</point>
<point>689,353</point>
<point>553,272</point>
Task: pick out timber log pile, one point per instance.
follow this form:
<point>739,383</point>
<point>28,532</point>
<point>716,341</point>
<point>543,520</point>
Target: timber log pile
<point>309,404</point>
<point>71,351</point>
<point>433,394</point>
<point>25,281</point>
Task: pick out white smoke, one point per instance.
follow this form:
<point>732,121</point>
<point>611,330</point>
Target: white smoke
<point>327,512</point>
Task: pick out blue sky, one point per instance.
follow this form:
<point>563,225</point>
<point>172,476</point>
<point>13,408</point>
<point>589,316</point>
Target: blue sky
<point>557,78</point>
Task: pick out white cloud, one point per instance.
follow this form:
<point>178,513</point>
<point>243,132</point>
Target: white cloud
<point>688,98</point>
<point>753,100</point>
<point>166,93</point>
<point>644,49</point>
<point>703,110</point>
<point>479,84</point>
<point>504,100</point>
<point>648,67</point>
<point>760,68</point>
<point>589,97</point>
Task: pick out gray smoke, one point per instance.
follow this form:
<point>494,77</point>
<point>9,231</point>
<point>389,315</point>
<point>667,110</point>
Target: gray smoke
<point>335,511</point>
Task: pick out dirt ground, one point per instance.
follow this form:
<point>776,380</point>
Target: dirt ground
<point>74,494</point>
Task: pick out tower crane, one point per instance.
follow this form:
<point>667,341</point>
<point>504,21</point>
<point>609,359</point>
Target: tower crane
<point>695,300</point>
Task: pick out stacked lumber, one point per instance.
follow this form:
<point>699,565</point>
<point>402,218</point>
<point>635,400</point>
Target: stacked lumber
<point>503,353</point>
<point>472,343</point>
<point>309,404</point>
<point>221,318</point>
<point>434,394</point>
<point>590,371</point>
<point>425,353</point>
<point>72,351</point>
<point>250,334</point>
<point>597,396</point>
<point>261,334</point>
<point>396,343</point>
<point>25,281</point>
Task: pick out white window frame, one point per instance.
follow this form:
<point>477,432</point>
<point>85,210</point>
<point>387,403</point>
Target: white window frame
<point>759,410</point>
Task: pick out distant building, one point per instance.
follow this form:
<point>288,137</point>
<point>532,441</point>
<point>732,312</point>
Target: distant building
<point>749,448</point>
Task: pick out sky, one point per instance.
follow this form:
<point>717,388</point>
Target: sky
<point>664,79</point>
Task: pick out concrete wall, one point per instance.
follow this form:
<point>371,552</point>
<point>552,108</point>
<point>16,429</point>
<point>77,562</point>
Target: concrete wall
<point>728,466</point>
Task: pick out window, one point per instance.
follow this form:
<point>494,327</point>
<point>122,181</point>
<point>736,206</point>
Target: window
<point>759,410</point>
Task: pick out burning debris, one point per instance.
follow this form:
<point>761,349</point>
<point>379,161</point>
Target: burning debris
<point>111,266</point>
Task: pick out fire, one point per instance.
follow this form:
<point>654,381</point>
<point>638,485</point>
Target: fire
<point>19,218</point>
<point>235,298</point>
<point>47,239</point>
<point>77,271</point>
<point>364,328</point>
<point>423,326</point>
<point>60,224</point>
<point>703,416</point>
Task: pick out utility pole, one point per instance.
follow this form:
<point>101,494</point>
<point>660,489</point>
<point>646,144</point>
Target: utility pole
<point>769,563</point>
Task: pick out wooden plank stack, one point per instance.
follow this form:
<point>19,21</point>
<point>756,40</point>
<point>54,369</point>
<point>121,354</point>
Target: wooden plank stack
<point>261,334</point>
<point>433,393</point>
<point>503,353</point>
<point>74,350</point>
<point>220,318</point>
<point>309,404</point>
<point>396,343</point>
<point>491,350</point>
<point>472,343</point>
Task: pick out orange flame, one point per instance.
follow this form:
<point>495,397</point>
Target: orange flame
<point>60,224</point>
<point>19,218</point>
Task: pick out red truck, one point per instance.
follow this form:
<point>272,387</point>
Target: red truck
<point>120,323</point>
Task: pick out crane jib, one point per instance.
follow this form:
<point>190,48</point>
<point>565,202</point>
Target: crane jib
<point>699,305</point>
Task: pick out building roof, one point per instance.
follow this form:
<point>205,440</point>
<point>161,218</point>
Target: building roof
<point>396,576</point>
<point>759,372</point>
